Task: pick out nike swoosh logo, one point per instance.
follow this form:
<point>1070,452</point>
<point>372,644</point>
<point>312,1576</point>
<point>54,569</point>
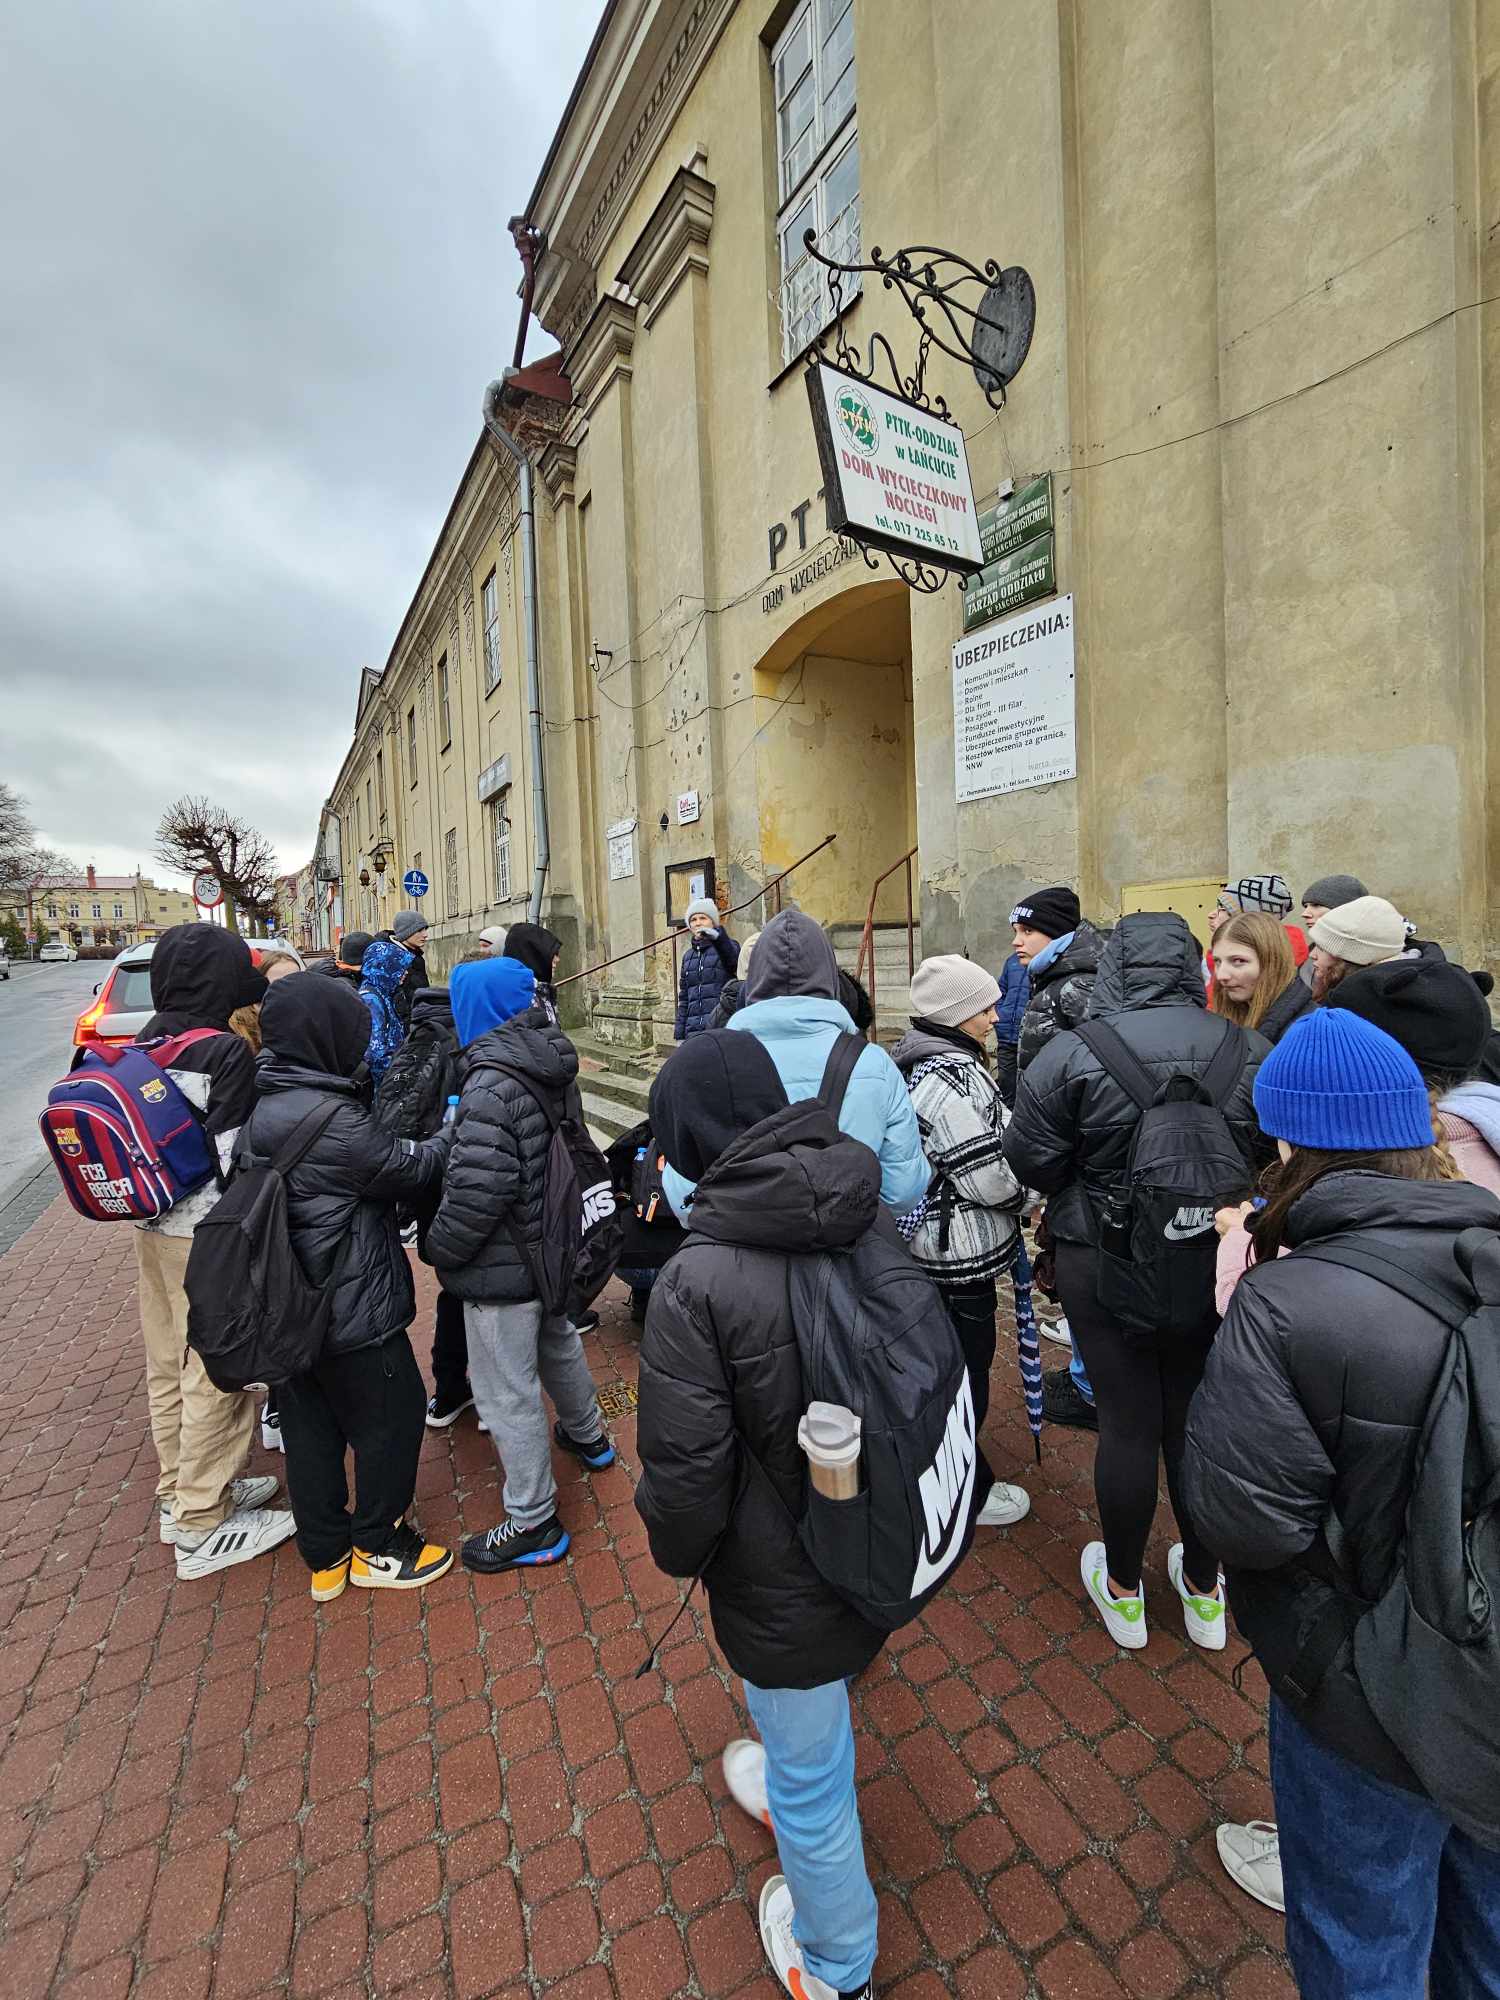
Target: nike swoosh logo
<point>1175,1233</point>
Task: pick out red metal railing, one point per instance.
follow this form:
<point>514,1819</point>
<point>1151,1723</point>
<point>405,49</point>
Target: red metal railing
<point>864,969</point>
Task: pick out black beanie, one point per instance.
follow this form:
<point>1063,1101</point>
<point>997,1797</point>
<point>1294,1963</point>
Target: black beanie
<point>716,1086</point>
<point>1053,912</point>
<point>1433,1009</point>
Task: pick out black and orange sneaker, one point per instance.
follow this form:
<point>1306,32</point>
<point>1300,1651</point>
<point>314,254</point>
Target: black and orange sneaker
<point>405,1563</point>
<point>328,1584</point>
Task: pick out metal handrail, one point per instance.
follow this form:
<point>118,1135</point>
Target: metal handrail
<point>673,937</point>
<point>864,969</point>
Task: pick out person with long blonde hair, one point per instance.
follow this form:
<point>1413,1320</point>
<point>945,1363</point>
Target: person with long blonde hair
<point>1255,976</point>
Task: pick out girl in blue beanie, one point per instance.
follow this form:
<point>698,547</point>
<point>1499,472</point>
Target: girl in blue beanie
<point>1301,1453</point>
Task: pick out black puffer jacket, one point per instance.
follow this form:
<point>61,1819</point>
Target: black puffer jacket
<point>345,1191</point>
<point>1073,1124</point>
<point>1060,993</point>
<point>708,964</point>
<point>1305,1429</point>
<point>423,1073</point>
<point>498,1163</point>
<point>1290,1004</point>
<point>721,1394</point>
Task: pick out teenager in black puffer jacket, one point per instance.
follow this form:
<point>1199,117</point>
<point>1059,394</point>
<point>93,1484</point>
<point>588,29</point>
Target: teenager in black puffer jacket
<point>519,1074</point>
<point>365,1390</point>
<point>1301,1458</point>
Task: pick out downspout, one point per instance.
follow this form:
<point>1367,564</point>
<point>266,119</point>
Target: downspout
<point>493,398</point>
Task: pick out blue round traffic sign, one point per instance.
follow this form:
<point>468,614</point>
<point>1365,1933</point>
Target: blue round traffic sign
<point>415,883</point>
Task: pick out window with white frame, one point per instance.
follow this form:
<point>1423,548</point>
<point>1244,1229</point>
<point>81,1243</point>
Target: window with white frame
<point>445,720</point>
<point>817,148</point>
<point>411,745</point>
<point>500,810</point>
<point>96,909</point>
<point>490,604</point>
<point>450,869</point>
<point>72,909</point>
<point>119,909</point>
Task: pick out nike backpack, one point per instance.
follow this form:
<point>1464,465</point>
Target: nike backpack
<point>873,1334</point>
<point>582,1231</point>
<point>1427,1651</point>
<point>252,1314</point>
<point>126,1143</point>
<point>1157,1242</point>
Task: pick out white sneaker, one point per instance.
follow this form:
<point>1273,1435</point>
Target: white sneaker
<point>270,1430</point>
<point>1055,1329</point>
<point>1251,1856</point>
<point>1203,1616</point>
<point>744,1764</point>
<point>1005,1506</point>
<point>239,1539</point>
<point>1124,1617</point>
<point>783,1950</point>
<point>243,1495</point>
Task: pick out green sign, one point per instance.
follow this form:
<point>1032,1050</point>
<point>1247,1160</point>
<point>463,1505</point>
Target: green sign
<point>1007,524</point>
<point>1025,573</point>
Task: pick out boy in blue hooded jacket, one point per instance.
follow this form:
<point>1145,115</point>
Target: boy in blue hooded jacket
<point>382,970</point>
<point>516,1069</point>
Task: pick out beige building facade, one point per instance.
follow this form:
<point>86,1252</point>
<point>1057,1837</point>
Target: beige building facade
<point>1264,383</point>
<point>93,910</point>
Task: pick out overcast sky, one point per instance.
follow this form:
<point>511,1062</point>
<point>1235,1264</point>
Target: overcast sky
<point>257,276</point>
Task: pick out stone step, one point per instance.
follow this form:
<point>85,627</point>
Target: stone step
<point>611,1056</point>
<point>606,1117</point>
<point>629,1092</point>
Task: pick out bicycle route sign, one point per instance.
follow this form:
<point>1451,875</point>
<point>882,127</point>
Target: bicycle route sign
<point>415,883</point>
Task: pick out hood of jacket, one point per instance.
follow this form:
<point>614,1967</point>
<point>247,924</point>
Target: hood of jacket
<point>783,1186</point>
<point>200,973</point>
<point>1149,960</point>
<point>529,1044</point>
<point>1479,1102</point>
<point>487,994</point>
<point>1356,1200</point>
<point>920,1044</point>
<point>792,957</point>
<point>535,948</point>
<point>383,966</point>
<point>1082,956</point>
<point>715,1088</point>
<point>432,1007</point>
<point>316,1027</point>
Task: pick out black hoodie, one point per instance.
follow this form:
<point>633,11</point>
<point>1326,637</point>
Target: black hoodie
<point>537,949</point>
<point>1073,1124</point>
<point>723,1481</point>
<point>423,1073</point>
<point>314,1033</point>
<point>200,974</point>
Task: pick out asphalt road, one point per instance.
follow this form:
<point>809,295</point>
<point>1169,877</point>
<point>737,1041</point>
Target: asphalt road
<point>38,1006</point>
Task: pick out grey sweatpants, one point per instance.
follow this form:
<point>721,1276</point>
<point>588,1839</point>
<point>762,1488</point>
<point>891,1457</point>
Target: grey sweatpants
<point>515,1353</point>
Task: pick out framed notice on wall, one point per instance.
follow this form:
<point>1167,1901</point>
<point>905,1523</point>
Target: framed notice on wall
<point>1013,704</point>
<point>686,882</point>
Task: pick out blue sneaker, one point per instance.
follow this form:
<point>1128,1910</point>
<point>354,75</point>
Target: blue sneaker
<point>513,1547</point>
<point>596,1454</point>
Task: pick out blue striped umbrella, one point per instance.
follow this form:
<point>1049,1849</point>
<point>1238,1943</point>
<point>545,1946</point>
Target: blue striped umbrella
<point>1028,1343</point>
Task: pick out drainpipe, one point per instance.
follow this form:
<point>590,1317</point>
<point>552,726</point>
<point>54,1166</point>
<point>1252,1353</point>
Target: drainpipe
<point>493,398</point>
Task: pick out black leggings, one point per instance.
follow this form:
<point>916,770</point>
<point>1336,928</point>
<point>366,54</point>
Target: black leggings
<point>1142,1387</point>
<point>972,1311</point>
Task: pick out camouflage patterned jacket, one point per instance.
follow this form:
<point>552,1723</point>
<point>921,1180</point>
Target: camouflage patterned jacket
<point>1060,992</point>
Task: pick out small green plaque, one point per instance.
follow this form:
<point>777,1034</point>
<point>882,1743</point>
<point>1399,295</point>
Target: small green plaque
<point>1017,578</point>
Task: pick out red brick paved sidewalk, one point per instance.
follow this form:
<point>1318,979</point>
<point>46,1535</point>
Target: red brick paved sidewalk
<point>215,1788</point>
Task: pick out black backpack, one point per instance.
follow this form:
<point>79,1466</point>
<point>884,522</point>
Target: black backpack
<point>1157,1243</point>
<point>1427,1651</point>
<point>873,1334</point>
<point>581,1227</point>
<point>252,1315</point>
<point>414,1091</point>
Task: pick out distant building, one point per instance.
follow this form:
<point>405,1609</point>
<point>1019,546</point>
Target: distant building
<point>94,909</point>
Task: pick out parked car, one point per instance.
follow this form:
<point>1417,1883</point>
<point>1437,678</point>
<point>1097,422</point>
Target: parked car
<point>57,954</point>
<point>122,1000</point>
<point>4,963</point>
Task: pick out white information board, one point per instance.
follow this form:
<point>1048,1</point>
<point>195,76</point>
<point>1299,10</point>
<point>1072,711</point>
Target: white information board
<point>1013,705</point>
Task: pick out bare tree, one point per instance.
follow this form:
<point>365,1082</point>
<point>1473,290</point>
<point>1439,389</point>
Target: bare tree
<point>195,834</point>
<point>25,864</point>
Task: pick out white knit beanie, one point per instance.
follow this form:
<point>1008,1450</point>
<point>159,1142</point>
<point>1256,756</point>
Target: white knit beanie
<point>951,989</point>
<point>1367,931</point>
<point>702,906</point>
<point>742,964</point>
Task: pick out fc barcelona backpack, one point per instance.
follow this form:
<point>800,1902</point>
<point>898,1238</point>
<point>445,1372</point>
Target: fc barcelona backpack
<point>126,1143</point>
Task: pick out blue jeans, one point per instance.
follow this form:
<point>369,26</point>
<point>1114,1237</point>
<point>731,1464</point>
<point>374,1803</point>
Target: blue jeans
<point>1080,1376</point>
<point>809,1744</point>
<point>1383,1893</point>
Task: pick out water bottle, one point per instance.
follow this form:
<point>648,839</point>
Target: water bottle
<point>452,1112</point>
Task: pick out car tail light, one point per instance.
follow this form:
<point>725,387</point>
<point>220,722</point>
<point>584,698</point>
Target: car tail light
<point>84,1029</point>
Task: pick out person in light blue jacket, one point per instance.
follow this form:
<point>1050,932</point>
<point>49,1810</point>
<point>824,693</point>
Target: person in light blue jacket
<point>791,1006</point>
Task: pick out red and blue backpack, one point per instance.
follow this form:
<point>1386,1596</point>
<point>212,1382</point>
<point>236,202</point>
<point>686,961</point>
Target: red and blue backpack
<point>125,1140</point>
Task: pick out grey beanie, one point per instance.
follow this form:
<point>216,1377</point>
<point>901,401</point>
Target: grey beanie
<point>951,989</point>
<point>1330,891</point>
<point>407,924</point>
<point>494,936</point>
<point>702,906</point>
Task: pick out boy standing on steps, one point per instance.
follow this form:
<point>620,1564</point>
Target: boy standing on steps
<point>518,1072</point>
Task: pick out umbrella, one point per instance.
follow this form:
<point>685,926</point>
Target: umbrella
<point>1028,1343</point>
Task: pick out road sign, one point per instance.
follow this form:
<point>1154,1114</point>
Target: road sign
<point>206,891</point>
<point>415,883</point>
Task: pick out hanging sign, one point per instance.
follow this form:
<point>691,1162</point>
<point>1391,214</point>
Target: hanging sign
<point>1013,691</point>
<point>1027,572</point>
<point>688,808</point>
<point>206,891</point>
<point>895,477</point>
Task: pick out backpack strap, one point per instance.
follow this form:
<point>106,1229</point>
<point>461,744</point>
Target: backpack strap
<point>1119,1061</point>
<point>295,1147</point>
<point>1359,1257</point>
<point>842,1058</point>
<point>549,1111</point>
<point>1221,1078</point>
<point>165,1051</point>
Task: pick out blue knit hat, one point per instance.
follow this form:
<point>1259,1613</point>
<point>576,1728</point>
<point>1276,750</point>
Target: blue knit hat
<point>1339,1084</point>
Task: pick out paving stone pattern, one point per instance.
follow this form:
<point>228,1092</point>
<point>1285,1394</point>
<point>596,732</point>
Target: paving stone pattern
<point>216,1788</point>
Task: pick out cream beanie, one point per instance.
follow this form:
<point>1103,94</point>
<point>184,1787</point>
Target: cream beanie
<point>951,989</point>
<point>1367,931</point>
<point>742,964</point>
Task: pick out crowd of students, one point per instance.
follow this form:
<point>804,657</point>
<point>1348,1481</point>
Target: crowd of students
<point>1344,1075</point>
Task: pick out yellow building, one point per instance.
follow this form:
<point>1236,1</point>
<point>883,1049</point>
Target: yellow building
<point>1260,402</point>
<point>98,910</point>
